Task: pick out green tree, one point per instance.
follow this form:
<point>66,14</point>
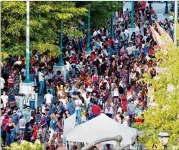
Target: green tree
<point>26,146</point>
<point>101,11</point>
<point>165,116</point>
<point>44,25</point>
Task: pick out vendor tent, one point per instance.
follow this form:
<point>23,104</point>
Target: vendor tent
<point>101,127</point>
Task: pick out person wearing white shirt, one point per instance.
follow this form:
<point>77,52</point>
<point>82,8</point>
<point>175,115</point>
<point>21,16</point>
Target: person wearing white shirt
<point>78,102</point>
<point>22,124</point>
<point>95,33</point>
<point>48,98</point>
<point>89,89</point>
<point>137,30</point>
<point>41,81</point>
<point>18,62</point>
<point>147,57</point>
<point>130,50</point>
<point>64,101</point>
<point>2,82</point>
<point>23,72</point>
<point>32,98</point>
<point>4,99</point>
<point>126,121</point>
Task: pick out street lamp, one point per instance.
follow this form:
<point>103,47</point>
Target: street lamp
<point>112,28</point>
<point>150,4</point>
<point>112,33</point>
<point>166,7</point>
<point>132,15</point>
<point>88,49</point>
<point>60,62</point>
<point>27,78</point>
<point>163,137</point>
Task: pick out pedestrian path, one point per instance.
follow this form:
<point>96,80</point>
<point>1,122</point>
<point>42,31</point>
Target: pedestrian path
<point>158,7</point>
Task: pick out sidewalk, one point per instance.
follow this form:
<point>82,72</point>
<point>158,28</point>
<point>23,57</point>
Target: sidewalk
<point>159,9</point>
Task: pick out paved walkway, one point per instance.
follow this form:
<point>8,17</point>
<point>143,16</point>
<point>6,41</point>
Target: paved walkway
<point>158,7</point>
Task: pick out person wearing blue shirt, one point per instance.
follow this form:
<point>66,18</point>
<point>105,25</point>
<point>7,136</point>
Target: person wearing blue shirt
<point>146,49</point>
<point>70,106</point>
<point>15,117</point>
<point>27,114</point>
<point>60,108</point>
<point>53,125</point>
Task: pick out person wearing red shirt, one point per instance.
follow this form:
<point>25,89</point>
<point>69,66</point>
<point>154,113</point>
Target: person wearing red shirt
<point>151,52</point>
<point>95,109</point>
<point>93,56</point>
<point>124,103</point>
<point>143,7</point>
<point>35,131</point>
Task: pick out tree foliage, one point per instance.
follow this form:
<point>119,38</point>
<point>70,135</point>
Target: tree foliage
<point>165,116</point>
<point>26,146</point>
<point>101,11</point>
<point>44,25</point>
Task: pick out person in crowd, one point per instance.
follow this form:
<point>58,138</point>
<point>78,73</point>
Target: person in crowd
<point>4,99</point>
<point>95,110</point>
<point>48,98</point>
<point>32,98</point>
<point>15,117</point>
<point>22,125</point>
<point>5,121</point>
<point>10,132</point>
<point>131,108</point>
<point>53,122</point>
<point>44,126</point>
<point>41,78</point>
<point>109,110</point>
<point>70,106</point>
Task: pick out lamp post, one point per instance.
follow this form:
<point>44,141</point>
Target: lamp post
<point>163,138</point>
<point>60,62</point>
<point>112,28</point>
<point>27,78</point>
<point>175,22</point>
<point>150,4</point>
<point>88,49</point>
<point>166,7</point>
<point>132,15</point>
<point>112,33</point>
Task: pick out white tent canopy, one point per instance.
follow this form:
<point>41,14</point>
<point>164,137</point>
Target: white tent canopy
<point>101,127</point>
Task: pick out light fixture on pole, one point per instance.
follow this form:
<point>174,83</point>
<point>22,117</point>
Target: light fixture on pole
<point>27,78</point>
<point>60,62</point>
<point>166,7</point>
<point>132,25</point>
<point>163,137</point>
<point>88,49</point>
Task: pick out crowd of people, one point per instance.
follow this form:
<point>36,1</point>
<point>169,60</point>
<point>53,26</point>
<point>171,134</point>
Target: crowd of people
<point>105,81</point>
